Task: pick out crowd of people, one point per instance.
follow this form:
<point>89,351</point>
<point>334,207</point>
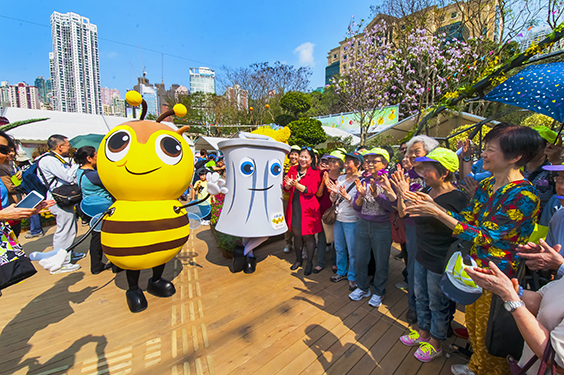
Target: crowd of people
<point>345,209</point>
<point>345,205</point>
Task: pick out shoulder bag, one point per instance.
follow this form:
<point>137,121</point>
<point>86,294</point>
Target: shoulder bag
<point>15,266</point>
<point>330,216</point>
<point>547,362</point>
<point>66,195</point>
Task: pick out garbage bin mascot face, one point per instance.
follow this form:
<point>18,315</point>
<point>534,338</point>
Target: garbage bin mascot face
<point>146,166</point>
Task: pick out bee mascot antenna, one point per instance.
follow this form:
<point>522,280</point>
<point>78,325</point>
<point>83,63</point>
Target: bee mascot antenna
<point>146,166</point>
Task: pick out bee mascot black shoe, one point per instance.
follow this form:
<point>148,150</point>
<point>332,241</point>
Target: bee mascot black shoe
<point>239,260</point>
<point>251,264</point>
<point>161,288</point>
<point>136,300</point>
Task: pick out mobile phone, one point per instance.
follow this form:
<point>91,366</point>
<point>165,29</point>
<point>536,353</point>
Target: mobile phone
<point>31,200</point>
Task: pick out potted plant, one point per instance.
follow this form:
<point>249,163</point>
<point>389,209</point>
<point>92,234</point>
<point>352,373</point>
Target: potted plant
<point>225,242</point>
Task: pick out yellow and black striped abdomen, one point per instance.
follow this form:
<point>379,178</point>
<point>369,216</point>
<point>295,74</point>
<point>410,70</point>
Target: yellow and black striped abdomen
<point>141,235</point>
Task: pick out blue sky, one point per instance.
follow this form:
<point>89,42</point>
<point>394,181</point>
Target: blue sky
<point>211,33</point>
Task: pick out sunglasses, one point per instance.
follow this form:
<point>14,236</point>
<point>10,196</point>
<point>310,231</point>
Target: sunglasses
<point>4,150</point>
<point>307,148</point>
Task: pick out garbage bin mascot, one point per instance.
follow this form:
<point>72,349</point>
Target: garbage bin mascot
<point>253,207</point>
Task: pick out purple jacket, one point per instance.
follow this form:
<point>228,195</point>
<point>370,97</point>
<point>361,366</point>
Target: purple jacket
<point>375,208</point>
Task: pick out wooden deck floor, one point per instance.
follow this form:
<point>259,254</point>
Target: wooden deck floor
<point>274,321</point>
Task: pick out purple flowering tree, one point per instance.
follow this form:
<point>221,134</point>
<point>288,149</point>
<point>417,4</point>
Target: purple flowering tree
<point>378,71</point>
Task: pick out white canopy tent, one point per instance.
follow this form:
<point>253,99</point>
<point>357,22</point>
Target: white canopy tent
<point>65,123</point>
<point>441,126</point>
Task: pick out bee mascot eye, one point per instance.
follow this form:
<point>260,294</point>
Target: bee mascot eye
<point>168,149</point>
<point>117,145</point>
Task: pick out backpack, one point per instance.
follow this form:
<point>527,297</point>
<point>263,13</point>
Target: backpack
<point>66,195</point>
<point>30,180</point>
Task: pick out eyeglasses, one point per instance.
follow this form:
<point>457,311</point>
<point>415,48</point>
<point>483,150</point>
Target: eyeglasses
<point>373,161</point>
<point>403,149</point>
<point>4,150</point>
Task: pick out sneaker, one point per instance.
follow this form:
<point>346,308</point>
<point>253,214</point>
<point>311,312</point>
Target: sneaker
<point>77,256</point>
<point>359,294</point>
<point>66,268</point>
<point>205,222</point>
<point>287,249</point>
<point>412,339</point>
<point>29,235</point>
<point>402,285</point>
<point>352,285</point>
<point>461,370</point>
<point>336,278</point>
<point>426,352</point>
<point>376,300</point>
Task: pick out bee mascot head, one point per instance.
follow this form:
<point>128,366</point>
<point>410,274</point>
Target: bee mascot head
<point>146,166</point>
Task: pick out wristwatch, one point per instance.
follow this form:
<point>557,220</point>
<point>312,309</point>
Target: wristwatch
<point>511,306</point>
<point>467,158</point>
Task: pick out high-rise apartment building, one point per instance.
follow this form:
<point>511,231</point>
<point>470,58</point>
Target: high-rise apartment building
<point>23,95</point>
<point>237,97</point>
<point>74,64</point>
<point>108,94</point>
<point>4,94</point>
<point>202,79</point>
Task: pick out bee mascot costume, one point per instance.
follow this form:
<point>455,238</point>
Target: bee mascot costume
<point>146,166</point>
<point>253,207</point>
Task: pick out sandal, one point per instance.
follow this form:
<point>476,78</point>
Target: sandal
<point>317,269</point>
<point>296,265</point>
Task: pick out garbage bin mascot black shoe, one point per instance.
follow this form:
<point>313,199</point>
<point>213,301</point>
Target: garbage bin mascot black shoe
<point>136,300</point>
<point>250,265</point>
<point>161,288</point>
<point>239,259</point>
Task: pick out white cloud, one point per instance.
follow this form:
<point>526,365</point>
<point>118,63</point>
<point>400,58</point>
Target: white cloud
<point>305,53</point>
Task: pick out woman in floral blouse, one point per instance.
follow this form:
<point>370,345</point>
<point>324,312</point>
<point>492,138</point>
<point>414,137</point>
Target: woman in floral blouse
<point>501,216</point>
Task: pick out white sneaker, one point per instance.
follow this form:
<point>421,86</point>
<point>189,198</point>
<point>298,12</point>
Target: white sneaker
<point>359,294</point>
<point>376,300</point>
<point>66,268</point>
<point>287,249</point>
<point>461,370</point>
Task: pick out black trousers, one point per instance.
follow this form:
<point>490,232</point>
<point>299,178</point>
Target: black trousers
<point>96,254</point>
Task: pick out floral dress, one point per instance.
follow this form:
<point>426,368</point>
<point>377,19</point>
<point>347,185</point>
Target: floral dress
<point>494,238</point>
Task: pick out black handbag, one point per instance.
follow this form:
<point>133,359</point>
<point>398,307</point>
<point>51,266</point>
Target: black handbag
<point>14,265</point>
<point>503,337</point>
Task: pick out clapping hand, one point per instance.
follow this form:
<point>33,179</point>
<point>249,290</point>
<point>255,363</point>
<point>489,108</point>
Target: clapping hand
<point>495,281</point>
<point>331,186</point>
<point>541,256</point>
<point>343,192</point>
<point>400,181</point>
<point>360,187</point>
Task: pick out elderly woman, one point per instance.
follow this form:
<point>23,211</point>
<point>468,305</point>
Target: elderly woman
<point>373,202</point>
<point>343,193</point>
<point>539,315</point>
<point>433,242</point>
<point>417,147</point>
<point>500,217</point>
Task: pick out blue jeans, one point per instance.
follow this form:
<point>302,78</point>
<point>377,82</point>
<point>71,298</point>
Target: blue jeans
<point>35,225</point>
<point>375,237</point>
<point>411,246</point>
<point>433,307</point>
<point>321,248</point>
<point>345,243</point>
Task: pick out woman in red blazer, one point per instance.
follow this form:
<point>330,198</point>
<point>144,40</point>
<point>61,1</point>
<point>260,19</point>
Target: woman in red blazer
<point>303,214</point>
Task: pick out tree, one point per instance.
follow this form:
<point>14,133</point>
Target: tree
<point>284,119</point>
<point>306,132</point>
<point>295,102</point>
<point>414,74</point>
